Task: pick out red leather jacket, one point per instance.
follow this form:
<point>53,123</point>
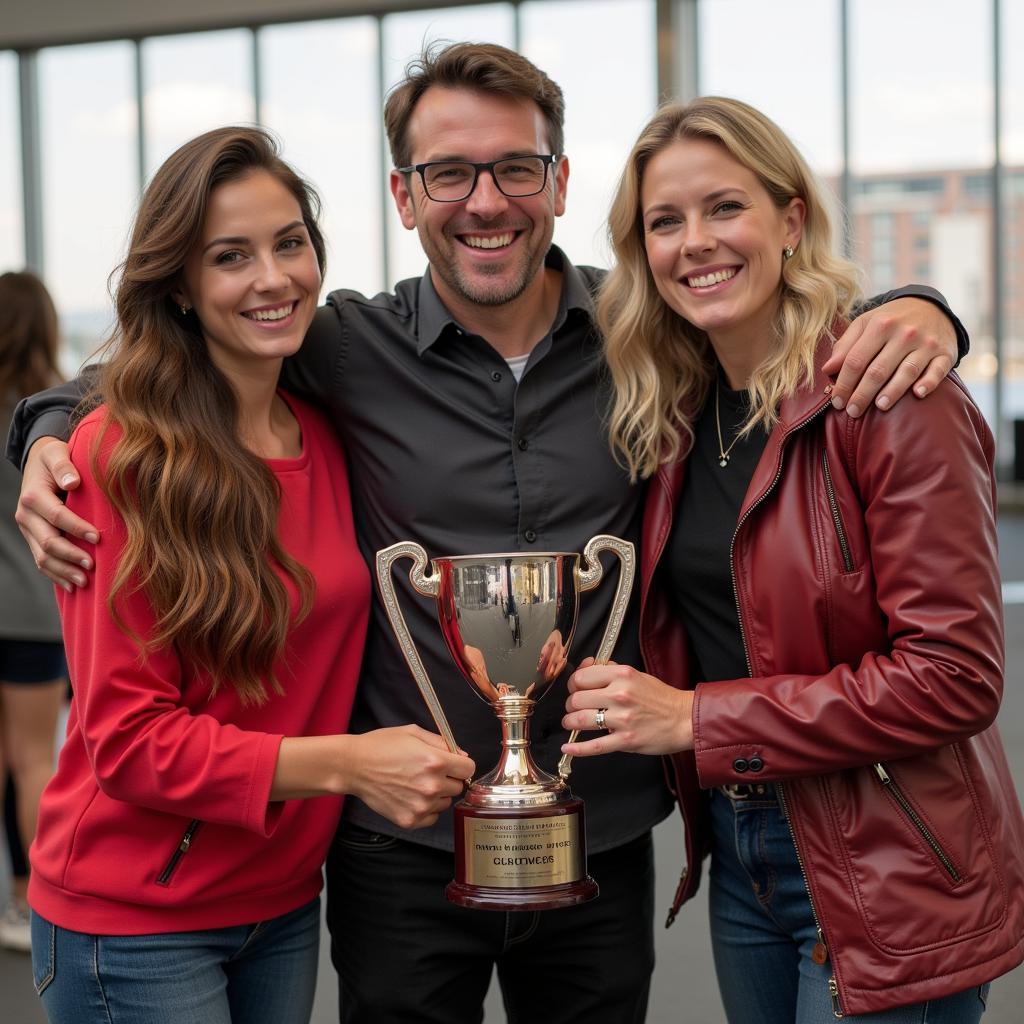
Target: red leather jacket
<point>867,585</point>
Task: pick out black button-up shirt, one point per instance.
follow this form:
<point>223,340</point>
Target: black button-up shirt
<point>447,450</point>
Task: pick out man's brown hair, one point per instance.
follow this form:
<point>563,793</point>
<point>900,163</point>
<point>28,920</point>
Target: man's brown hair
<point>483,67</point>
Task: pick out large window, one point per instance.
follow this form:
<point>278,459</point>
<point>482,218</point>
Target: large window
<point>797,85</point>
<point>921,150</point>
<point>90,181</point>
<point>916,164</point>
<point>12,230</point>
<point>603,112</point>
<point>193,83</point>
<point>320,96</point>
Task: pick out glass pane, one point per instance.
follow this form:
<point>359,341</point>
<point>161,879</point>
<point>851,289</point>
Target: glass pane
<point>12,231</point>
<point>319,84</point>
<point>921,140</point>
<point>404,35</point>
<point>1012,264</point>
<point>193,83</point>
<point>572,41</point>
<point>88,140</point>
<point>734,61</point>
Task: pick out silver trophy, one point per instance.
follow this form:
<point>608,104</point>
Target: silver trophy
<point>508,620</point>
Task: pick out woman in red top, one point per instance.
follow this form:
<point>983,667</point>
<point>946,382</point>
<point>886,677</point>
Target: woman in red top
<point>214,657</point>
<point>821,619</point>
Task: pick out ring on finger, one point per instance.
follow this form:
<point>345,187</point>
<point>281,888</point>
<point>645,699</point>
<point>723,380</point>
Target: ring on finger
<point>599,718</point>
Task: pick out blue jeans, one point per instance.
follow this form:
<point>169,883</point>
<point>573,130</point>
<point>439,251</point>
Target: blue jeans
<point>261,973</point>
<point>763,930</point>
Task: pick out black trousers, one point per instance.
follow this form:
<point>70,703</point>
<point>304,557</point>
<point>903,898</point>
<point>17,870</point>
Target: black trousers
<point>405,955</point>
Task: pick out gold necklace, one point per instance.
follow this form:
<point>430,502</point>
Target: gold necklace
<point>723,452</point>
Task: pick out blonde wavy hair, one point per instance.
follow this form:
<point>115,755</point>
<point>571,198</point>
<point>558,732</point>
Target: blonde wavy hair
<point>662,367</point>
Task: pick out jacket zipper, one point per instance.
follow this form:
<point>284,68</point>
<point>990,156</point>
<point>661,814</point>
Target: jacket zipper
<point>897,794</point>
<point>836,518</point>
<point>833,987</point>
<point>164,877</point>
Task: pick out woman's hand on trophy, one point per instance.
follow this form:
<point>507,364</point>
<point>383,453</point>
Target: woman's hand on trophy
<point>636,711</point>
<point>406,774</point>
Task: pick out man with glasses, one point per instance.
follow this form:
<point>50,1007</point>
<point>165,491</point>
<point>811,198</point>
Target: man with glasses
<point>471,406</point>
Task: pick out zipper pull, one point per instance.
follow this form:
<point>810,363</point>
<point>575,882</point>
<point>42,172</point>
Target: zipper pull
<point>882,774</point>
<point>186,842</point>
<point>833,991</point>
<point>819,954</point>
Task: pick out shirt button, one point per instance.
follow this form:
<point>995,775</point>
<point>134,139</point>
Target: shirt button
<point>740,765</point>
<point>755,764</point>
<point>496,375</point>
<point>530,536</point>
<point>523,444</point>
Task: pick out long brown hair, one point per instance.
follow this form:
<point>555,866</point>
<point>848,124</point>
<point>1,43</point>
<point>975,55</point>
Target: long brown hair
<point>200,508</point>
<point>28,335</point>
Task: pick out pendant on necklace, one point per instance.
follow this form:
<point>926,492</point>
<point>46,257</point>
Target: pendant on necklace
<point>724,461</point>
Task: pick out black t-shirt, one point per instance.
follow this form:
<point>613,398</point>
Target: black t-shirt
<point>699,577</point>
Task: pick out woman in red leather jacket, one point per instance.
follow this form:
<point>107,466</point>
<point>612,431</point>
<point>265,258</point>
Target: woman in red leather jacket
<point>822,626</point>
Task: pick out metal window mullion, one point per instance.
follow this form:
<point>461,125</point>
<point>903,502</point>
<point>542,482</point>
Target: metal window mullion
<point>998,240</point>
<point>383,177</point>
<point>31,159</point>
<point>677,49</point>
<point>845,188</point>
<point>257,76</point>
<point>140,116</point>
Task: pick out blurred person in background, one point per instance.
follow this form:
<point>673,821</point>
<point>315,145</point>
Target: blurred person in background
<point>32,668</point>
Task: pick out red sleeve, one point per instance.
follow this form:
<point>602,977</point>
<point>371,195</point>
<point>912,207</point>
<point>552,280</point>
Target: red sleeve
<point>924,475</point>
<point>144,745</point>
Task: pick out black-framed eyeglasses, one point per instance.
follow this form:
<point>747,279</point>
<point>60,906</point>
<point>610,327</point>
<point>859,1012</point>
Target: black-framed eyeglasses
<point>451,181</point>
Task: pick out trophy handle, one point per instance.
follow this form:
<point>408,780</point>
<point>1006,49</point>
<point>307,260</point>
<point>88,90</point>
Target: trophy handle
<point>589,578</point>
<point>429,586</point>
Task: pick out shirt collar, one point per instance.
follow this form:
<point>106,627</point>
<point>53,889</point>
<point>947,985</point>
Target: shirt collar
<point>434,318</point>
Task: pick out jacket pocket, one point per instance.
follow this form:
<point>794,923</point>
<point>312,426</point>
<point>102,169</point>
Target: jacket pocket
<point>920,826</point>
<point>916,852</point>
<point>184,845</point>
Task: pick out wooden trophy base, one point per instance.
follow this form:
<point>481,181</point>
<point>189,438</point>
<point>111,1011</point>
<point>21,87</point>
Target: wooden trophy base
<point>520,858</point>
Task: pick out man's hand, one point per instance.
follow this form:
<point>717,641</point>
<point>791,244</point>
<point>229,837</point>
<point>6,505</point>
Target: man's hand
<point>641,713</point>
<point>905,343</point>
<point>42,516</point>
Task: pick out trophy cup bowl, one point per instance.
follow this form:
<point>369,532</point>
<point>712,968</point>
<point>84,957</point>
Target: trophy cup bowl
<point>508,620</point>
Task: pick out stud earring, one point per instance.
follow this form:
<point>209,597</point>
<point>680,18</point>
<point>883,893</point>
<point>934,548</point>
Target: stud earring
<point>184,310</point>
<point>788,252</point>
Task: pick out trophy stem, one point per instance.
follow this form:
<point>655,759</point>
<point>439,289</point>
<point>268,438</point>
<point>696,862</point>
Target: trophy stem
<point>516,778</point>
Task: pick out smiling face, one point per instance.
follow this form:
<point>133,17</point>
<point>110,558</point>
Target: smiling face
<point>253,279</point>
<point>488,249</point>
<point>714,240</point>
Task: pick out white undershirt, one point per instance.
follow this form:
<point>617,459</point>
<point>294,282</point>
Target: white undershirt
<point>517,364</point>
